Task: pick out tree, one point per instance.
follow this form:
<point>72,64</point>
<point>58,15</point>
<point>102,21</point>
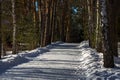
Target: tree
<point>112,15</point>
<point>0,30</point>
<point>48,32</point>
<point>14,26</point>
<point>90,22</point>
<point>54,19</point>
<point>107,55</point>
<point>44,13</point>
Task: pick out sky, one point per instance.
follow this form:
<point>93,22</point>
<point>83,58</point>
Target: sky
<point>36,4</point>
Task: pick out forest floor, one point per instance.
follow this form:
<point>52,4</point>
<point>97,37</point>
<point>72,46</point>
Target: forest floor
<point>58,61</point>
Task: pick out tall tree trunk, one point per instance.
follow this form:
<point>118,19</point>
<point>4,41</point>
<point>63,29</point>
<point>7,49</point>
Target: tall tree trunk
<point>36,18</point>
<point>112,12</point>
<point>62,21</point>
<point>68,27</point>
<point>107,55</point>
<point>43,19</point>
<point>85,20</point>
<point>53,21</point>
<point>40,22</point>
<point>0,31</point>
<point>98,40</point>
<point>14,27</point>
<point>46,3</point>
<point>48,26</point>
<point>89,22</point>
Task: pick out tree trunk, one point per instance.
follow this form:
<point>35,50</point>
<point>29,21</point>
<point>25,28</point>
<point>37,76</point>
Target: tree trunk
<point>89,22</point>
<point>112,12</point>
<point>53,21</point>
<point>107,55</point>
<point>85,20</point>
<point>36,18</point>
<point>43,20</point>
<point>14,27</point>
<point>46,32</point>
<point>48,26</point>
<point>98,41</point>
<point>0,31</point>
<point>68,27</point>
<point>40,18</point>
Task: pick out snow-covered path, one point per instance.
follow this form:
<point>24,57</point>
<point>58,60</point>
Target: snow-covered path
<point>58,63</point>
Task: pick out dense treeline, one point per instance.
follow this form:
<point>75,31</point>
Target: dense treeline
<point>102,27</point>
<point>27,24</point>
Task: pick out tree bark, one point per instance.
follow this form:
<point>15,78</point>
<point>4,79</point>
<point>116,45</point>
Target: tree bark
<point>43,21</point>
<point>112,12</point>
<point>53,25</point>
<point>107,55</point>
<point>0,31</point>
<point>14,27</point>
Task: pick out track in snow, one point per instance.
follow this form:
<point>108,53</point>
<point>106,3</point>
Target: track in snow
<point>59,63</point>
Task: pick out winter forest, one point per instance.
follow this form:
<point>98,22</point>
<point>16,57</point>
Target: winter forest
<point>59,40</point>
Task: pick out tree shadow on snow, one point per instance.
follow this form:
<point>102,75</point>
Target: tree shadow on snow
<point>20,59</point>
<point>42,73</point>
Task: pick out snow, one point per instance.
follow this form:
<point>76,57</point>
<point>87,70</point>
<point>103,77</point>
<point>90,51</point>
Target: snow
<point>58,61</point>
<point>92,65</point>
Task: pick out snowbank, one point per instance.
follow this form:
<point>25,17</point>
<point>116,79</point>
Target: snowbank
<point>23,57</point>
<point>91,64</point>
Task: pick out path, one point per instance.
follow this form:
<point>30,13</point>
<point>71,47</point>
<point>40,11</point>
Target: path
<point>58,63</point>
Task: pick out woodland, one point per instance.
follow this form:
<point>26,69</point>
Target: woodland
<point>28,24</point>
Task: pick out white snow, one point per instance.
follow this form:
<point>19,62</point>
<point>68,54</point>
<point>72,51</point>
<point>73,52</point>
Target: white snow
<point>58,61</point>
<point>92,65</point>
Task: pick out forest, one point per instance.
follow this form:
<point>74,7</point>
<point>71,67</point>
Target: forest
<point>29,24</point>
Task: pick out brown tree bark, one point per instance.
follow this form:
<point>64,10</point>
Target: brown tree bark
<point>48,32</point>
<point>14,27</point>
<point>112,12</point>
<point>53,24</point>
<point>68,27</point>
<point>107,55</point>
<point>43,19</point>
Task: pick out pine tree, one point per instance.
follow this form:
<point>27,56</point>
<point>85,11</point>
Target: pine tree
<point>113,29</point>
<point>14,26</point>
<point>0,30</point>
<point>107,55</point>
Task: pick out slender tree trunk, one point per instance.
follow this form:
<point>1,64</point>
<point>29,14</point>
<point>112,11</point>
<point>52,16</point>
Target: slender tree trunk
<point>85,20</point>
<point>62,21</point>
<point>68,21</point>
<point>43,19</point>
<point>14,27</point>
<point>89,21</point>
<point>98,41</point>
<point>40,22</point>
<point>48,26</point>
<point>34,22</point>
<point>0,31</point>
<point>97,24</point>
<point>36,17</point>
<point>53,21</point>
<point>46,32</point>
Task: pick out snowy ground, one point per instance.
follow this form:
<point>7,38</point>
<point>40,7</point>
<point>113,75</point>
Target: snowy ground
<point>59,61</point>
